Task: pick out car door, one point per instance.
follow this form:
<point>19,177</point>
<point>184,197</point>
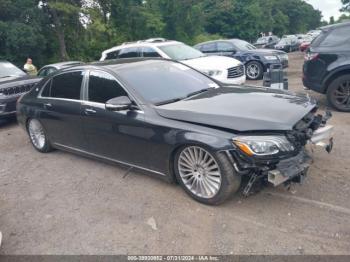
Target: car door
<point>118,135</point>
<point>61,109</point>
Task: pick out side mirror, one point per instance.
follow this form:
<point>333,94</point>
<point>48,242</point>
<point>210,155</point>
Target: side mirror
<point>118,103</point>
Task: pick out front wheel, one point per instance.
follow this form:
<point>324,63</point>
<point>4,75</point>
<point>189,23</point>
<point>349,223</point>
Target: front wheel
<point>338,93</point>
<point>207,177</point>
<point>38,136</point>
<point>254,70</point>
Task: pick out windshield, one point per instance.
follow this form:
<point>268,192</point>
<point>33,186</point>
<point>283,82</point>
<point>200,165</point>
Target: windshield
<point>7,69</point>
<point>243,45</point>
<point>262,40</point>
<point>161,82</point>
<point>181,52</point>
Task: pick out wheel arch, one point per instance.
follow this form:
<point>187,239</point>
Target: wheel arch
<point>179,146</point>
<point>334,75</point>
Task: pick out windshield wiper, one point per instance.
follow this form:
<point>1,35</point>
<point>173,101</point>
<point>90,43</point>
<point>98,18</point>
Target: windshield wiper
<point>199,91</point>
<point>169,101</point>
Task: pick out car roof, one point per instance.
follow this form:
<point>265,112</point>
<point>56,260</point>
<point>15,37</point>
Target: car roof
<point>115,64</point>
<point>142,43</point>
<point>63,64</point>
<point>335,25</point>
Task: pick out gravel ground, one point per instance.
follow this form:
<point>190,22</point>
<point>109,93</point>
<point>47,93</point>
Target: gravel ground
<point>60,203</point>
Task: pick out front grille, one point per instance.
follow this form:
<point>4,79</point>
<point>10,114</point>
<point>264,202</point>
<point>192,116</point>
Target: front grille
<point>16,89</point>
<point>236,71</point>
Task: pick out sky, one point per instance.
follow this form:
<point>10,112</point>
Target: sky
<point>327,7</point>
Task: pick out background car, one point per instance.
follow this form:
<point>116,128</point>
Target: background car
<point>288,44</point>
<point>327,65</point>
<point>314,33</point>
<point>223,69</point>
<point>267,42</point>
<point>49,69</point>
<point>167,119</point>
<point>13,83</point>
<point>256,61</point>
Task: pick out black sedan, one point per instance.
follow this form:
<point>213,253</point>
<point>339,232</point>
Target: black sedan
<point>256,61</point>
<point>13,83</point>
<point>167,119</point>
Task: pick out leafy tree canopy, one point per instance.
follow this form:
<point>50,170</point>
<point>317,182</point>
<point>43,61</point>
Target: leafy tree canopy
<point>55,30</point>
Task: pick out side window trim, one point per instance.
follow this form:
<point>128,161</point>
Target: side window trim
<point>43,87</point>
<point>64,99</point>
<point>85,98</point>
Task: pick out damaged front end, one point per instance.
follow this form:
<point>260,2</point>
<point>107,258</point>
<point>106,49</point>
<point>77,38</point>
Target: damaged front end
<point>281,159</point>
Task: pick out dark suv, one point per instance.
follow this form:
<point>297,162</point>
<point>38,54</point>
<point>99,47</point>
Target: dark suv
<point>327,65</point>
<point>256,61</point>
<point>13,83</point>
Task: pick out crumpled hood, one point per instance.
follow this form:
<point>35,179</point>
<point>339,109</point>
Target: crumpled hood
<point>212,62</point>
<point>241,109</point>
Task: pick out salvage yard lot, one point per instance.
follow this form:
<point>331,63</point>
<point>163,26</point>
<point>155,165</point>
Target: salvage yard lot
<point>60,203</point>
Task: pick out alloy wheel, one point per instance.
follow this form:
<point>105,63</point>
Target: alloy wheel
<point>341,95</point>
<point>199,172</point>
<point>36,133</point>
<point>253,71</point>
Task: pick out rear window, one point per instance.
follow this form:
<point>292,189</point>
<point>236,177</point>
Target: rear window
<point>337,36</point>
<point>210,47</point>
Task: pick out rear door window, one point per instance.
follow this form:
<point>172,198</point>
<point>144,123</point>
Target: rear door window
<point>103,87</point>
<point>129,52</point>
<point>224,47</point>
<point>208,48</point>
<point>67,85</point>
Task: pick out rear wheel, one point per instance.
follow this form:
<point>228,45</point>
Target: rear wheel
<point>38,136</point>
<point>254,70</point>
<point>207,177</point>
<point>338,93</point>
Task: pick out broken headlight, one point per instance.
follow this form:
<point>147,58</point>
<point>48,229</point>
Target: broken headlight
<point>263,145</point>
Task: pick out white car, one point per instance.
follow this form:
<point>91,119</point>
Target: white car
<point>225,69</point>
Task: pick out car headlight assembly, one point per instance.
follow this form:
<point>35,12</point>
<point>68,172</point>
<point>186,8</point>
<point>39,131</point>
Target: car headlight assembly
<point>263,145</point>
<point>271,57</point>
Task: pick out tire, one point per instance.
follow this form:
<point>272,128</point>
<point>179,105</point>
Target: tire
<point>37,136</point>
<point>254,70</point>
<point>338,93</point>
<point>213,180</point>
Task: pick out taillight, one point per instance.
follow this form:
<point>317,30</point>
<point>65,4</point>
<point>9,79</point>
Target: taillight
<point>311,56</point>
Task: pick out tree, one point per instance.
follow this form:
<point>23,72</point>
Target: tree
<point>346,5</point>
<point>63,14</point>
<point>331,20</point>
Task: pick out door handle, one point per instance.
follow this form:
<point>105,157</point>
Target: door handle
<point>89,111</point>
<point>47,105</point>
